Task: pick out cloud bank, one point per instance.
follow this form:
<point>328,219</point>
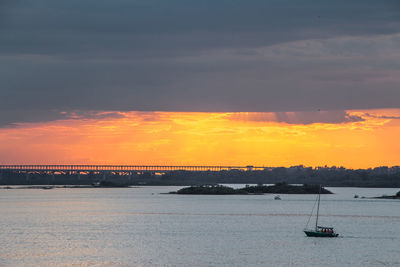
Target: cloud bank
<point>214,56</point>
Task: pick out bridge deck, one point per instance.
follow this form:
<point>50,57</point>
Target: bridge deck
<point>123,168</point>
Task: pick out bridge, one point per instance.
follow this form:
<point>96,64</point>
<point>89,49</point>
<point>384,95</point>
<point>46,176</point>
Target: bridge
<point>104,171</point>
<point>123,168</point>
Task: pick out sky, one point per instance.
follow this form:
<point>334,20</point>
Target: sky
<point>261,82</point>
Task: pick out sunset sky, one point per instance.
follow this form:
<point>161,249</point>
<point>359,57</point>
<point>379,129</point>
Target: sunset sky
<point>354,139</point>
<point>269,83</point>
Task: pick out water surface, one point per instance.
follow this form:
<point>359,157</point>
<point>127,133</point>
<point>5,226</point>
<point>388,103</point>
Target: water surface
<point>141,227</point>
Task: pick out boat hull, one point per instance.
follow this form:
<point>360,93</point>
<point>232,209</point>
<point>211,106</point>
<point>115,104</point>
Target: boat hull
<point>320,234</point>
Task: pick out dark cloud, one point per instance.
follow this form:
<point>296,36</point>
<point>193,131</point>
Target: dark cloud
<point>305,117</point>
<point>317,117</point>
<point>98,115</point>
<point>382,116</point>
<point>186,55</point>
<point>11,118</point>
<point>115,27</point>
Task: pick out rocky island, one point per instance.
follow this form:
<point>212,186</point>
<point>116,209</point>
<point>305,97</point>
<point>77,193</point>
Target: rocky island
<point>280,188</point>
<point>397,196</point>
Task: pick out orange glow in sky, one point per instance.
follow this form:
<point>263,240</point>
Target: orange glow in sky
<point>365,138</point>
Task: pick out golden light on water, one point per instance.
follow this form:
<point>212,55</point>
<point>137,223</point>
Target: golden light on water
<point>365,138</point>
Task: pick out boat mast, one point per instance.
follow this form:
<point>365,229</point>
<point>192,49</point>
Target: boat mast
<point>319,198</point>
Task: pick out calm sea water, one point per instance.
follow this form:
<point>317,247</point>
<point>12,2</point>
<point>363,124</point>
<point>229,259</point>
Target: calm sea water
<point>141,227</point>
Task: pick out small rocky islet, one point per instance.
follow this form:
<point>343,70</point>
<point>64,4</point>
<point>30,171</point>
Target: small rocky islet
<point>397,196</point>
<point>280,188</point>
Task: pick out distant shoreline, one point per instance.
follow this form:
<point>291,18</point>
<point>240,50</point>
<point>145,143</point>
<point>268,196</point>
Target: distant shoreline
<point>47,187</point>
<point>397,196</point>
<point>380,177</point>
<point>192,190</point>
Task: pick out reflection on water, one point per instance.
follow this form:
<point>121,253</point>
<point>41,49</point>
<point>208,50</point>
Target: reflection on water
<point>138,226</point>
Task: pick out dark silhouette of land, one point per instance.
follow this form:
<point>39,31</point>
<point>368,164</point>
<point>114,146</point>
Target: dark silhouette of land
<point>279,188</point>
<point>325,176</point>
<point>397,196</point>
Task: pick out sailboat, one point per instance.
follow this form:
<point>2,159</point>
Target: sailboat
<point>319,231</point>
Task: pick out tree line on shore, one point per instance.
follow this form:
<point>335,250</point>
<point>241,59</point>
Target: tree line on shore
<point>326,176</point>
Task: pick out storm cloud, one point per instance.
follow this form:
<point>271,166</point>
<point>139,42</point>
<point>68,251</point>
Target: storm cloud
<point>302,117</point>
<point>184,55</point>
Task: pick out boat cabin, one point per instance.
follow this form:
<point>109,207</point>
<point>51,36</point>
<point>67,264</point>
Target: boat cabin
<point>322,229</point>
